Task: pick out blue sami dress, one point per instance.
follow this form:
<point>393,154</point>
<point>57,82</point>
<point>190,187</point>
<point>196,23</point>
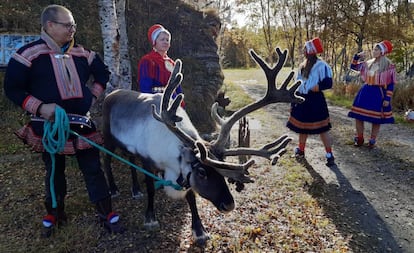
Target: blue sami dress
<point>312,116</point>
<point>378,86</point>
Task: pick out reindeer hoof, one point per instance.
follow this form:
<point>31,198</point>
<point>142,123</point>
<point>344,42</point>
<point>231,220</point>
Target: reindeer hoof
<point>137,194</point>
<point>114,194</point>
<point>152,225</point>
<point>201,241</point>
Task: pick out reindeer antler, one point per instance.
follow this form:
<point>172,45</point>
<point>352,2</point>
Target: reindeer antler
<point>273,95</point>
<point>168,113</point>
<point>216,152</point>
<point>272,151</point>
<point>230,170</point>
<point>168,116</point>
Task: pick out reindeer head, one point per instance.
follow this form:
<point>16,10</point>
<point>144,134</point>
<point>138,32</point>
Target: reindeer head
<point>213,154</point>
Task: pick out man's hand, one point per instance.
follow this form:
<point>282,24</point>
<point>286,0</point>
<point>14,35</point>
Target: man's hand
<point>47,111</point>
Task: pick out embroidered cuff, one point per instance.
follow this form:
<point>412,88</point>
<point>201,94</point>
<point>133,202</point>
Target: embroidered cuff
<point>97,89</point>
<point>389,94</point>
<point>31,104</point>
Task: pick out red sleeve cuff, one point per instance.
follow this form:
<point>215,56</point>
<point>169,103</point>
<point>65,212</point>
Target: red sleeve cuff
<point>31,104</point>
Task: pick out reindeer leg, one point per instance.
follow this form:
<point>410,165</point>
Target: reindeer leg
<point>108,171</point>
<point>136,189</point>
<point>150,222</point>
<point>199,232</point>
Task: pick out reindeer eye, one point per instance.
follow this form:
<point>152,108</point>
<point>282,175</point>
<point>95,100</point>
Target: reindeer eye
<point>202,173</point>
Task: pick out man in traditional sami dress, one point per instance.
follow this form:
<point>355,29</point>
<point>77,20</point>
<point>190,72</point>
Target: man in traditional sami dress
<point>53,72</point>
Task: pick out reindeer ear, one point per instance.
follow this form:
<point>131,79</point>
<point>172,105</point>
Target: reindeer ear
<point>187,154</point>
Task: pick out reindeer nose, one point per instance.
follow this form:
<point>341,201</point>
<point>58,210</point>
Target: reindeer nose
<point>225,208</point>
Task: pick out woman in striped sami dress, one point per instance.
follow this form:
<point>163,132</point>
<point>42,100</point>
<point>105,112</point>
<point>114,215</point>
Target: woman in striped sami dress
<point>373,101</point>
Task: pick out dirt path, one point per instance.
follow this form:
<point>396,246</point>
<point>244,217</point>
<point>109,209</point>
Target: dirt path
<point>369,193</point>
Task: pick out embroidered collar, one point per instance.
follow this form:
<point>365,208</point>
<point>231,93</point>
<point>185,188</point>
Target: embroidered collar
<point>54,46</point>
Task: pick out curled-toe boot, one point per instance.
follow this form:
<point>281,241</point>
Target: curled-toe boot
<point>108,218</point>
<point>358,142</point>
<point>371,143</point>
<point>49,220</point>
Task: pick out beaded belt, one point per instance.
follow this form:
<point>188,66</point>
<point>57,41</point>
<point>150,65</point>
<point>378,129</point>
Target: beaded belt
<point>73,119</point>
<point>158,89</point>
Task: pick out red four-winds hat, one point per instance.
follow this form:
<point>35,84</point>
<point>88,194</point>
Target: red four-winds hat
<point>314,46</point>
<point>385,46</point>
<point>154,31</point>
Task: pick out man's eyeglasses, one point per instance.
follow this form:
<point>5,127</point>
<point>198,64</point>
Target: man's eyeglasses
<point>68,26</point>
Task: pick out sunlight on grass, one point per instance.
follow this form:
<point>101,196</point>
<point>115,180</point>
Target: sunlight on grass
<point>237,96</point>
<point>338,100</point>
<point>234,78</point>
<point>252,75</point>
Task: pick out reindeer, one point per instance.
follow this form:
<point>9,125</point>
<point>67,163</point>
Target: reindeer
<point>160,133</point>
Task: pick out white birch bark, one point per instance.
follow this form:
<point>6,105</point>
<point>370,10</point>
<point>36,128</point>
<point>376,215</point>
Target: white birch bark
<point>125,63</point>
<point>110,36</point>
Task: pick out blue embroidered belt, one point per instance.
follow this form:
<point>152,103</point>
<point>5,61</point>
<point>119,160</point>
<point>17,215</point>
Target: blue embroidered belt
<point>73,119</point>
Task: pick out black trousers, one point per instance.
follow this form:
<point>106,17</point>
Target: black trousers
<point>90,165</point>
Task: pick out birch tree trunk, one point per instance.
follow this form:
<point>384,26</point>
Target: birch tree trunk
<point>125,62</point>
<point>110,36</point>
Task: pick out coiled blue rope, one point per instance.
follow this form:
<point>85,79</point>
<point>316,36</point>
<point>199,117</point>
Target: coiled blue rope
<point>55,136</point>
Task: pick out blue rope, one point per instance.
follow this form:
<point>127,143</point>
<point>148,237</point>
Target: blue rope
<point>159,181</point>
<point>55,136</point>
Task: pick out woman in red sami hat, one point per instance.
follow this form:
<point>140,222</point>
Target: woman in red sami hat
<point>312,116</point>
<point>373,101</point>
<point>154,68</point>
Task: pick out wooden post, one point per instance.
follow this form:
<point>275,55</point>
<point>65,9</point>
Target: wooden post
<point>244,137</point>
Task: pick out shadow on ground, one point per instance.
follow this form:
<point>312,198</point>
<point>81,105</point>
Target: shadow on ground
<point>353,215</point>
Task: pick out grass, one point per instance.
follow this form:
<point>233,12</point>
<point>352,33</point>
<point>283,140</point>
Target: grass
<point>338,100</point>
<point>234,78</point>
<point>232,81</point>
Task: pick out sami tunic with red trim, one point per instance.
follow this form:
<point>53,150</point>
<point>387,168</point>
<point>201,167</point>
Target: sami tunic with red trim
<point>378,87</point>
<point>154,71</point>
<point>312,115</point>
<point>40,72</point>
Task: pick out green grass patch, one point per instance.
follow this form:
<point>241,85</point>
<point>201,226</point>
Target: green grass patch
<point>238,97</point>
<point>235,78</point>
<point>338,100</point>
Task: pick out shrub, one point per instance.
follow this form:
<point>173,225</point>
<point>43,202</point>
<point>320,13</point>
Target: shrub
<point>403,97</point>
